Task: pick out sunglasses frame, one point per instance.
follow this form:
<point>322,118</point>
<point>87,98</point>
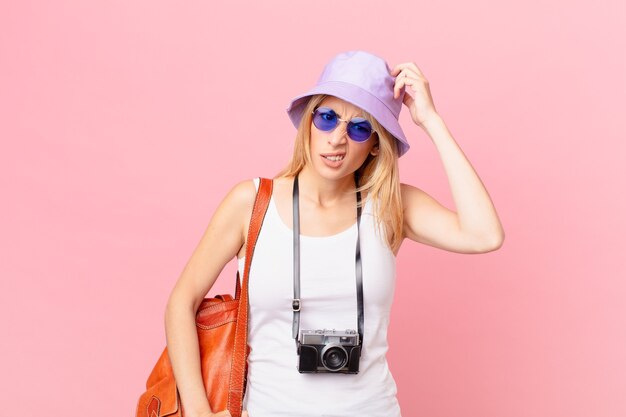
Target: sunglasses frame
<point>345,121</point>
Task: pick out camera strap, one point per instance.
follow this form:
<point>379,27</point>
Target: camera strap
<point>296,304</point>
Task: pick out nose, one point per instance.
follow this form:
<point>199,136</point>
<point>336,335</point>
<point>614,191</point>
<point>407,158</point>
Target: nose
<point>339,135</point>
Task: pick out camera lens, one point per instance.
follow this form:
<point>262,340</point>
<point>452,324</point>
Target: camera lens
<point>334,357</point>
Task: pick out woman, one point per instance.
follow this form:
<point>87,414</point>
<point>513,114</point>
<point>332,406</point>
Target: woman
<point>345,156</point>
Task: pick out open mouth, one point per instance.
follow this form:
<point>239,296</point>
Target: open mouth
<point>334,158</point>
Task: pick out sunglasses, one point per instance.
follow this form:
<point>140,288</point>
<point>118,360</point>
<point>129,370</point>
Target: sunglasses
<point>359,129</point>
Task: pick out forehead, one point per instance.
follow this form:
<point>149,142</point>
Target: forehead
<point>341,107</point>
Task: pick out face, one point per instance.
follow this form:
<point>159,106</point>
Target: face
<point>334,154</point>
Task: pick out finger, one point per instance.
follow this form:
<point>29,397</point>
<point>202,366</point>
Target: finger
<point>411,83</point>
<point>407,65</point>
<point>410,65</point>
<point>408,100</point>
<point>411,74</point>
<point>402,80</point>
<point>398,86</point>
<point>399,67</point>
<point>245,414</point>
<point>407,73</point>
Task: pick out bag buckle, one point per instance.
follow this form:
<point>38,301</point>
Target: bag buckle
<point>295,304</point>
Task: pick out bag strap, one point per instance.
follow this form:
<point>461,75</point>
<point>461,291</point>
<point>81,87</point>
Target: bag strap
<point>237,376</point>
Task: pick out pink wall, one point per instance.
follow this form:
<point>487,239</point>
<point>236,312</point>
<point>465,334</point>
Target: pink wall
<point>122,127</point>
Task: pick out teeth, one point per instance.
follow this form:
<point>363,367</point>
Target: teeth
<point>334,158</point>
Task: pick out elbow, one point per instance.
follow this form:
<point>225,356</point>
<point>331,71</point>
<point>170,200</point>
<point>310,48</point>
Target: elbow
<point>490,243</point>
<point>494,242</point>
<point>497,243</point>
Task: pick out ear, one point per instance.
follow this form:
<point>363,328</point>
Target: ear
<point>375,150</point>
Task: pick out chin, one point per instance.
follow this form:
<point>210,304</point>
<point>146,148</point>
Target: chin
<point>333,174</point>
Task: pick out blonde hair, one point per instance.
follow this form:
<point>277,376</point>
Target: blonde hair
<point>378,176</point>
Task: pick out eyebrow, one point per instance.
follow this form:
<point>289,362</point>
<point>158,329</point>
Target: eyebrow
<point>362,116</point>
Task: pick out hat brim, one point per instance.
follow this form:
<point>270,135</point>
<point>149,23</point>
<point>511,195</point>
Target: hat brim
<point>360,98</point>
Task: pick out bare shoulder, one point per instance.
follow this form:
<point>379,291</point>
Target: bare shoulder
<point>412,195</point>
<point>242,194</point>
<point>416,201</point>
<point>239,202</point>
<point>406,189</point>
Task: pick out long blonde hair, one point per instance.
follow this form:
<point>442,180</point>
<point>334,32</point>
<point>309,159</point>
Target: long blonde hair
<point>378,176</point>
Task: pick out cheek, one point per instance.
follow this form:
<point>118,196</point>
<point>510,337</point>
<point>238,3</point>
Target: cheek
<point>361,150</point>
<point>359,155</point>
<point>314,139</point>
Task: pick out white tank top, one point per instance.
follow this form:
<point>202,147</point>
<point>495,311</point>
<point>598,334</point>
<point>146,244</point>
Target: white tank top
<point>328,294</point>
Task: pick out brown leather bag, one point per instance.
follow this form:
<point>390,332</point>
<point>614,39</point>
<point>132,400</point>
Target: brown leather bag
<point>222,325</point>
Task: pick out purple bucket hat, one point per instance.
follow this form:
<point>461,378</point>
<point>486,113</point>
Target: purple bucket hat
<point>364,80</point>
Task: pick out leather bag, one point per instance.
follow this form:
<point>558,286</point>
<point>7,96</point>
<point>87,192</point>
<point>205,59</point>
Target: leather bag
<point>222,325</point>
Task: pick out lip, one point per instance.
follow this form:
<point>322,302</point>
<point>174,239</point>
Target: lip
<point>332,164</point>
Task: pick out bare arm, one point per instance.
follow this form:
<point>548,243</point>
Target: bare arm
<point>475,227</point>
<point>223,238</point>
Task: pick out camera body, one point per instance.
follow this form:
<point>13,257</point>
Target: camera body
<point>329,351</point>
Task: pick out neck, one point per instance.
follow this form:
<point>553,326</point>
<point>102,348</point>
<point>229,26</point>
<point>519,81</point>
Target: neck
<point>321,190</point>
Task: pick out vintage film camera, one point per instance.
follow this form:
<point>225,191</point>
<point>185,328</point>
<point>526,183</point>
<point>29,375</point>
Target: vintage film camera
<point>329,351</point>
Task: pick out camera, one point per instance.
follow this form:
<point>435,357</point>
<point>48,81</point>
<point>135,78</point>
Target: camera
<point>329,351</point>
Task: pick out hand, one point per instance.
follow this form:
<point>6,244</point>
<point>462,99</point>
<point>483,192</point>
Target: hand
<point>420,104</point>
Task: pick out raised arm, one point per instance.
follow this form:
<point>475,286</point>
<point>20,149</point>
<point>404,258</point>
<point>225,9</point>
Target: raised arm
<point>474,227</point>
<point>222,239</point>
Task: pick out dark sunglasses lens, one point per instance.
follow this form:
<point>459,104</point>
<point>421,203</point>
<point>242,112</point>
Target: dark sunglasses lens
<point>359,131</point>
<point>325,119</point>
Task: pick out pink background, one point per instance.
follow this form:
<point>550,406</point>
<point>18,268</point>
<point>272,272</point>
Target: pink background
<point>124,124</point>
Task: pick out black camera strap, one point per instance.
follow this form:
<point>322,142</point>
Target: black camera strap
<point>297,304</point>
